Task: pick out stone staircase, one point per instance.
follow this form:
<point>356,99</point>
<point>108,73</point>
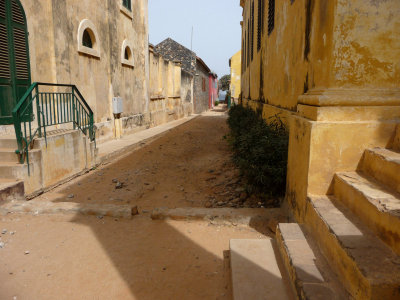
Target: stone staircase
<point>11,172</point>
<point>349,244</point>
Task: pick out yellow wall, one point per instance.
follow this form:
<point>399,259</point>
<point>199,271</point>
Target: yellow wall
<point>170,90</point>
<point>331,69</point>
<point>236,70</point>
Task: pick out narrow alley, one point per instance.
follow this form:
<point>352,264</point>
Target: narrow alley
<point>98,257</point>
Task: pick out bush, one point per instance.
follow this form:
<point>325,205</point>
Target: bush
<point>216,103</point>
<point>260,150</point>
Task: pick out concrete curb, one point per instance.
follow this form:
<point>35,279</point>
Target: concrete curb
<point>254,217</point>
<point>49,208</point>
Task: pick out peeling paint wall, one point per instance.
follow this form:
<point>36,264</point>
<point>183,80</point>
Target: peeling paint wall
<point>320,45</point>
<point>53,28</point>
<point>367,44</point>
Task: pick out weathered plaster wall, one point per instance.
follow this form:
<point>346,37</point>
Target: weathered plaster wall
<point>201,96</point>
<point>366,46</point>
<point>236,70</point>
<point>170,90</point>
<point>53,27</point>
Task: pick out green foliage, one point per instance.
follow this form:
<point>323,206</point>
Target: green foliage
<point>224,82</point>
<point>260,150</point>
<point>216,102</point>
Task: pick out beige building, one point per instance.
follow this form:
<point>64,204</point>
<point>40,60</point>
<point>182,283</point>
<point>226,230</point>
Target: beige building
<point>73,73</point>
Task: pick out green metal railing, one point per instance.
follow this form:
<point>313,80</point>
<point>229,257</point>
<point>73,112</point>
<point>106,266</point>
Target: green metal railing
<point>52,108</point>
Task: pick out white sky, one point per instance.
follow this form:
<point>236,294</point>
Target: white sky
<point>217,32</point>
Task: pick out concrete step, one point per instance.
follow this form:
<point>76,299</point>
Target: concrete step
<point>11,190</point>
<point>373,203</point>
<point>366,267</point>
<point>8,155</point>
<point>9,142</point>
<point>13,170</point>
<point>301,264</point>
<point>255,271</point>
<point>383,165</point>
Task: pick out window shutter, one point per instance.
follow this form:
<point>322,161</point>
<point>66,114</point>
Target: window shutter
<point>4,54</point>
<point>17,15</point>
<point>21,55</point>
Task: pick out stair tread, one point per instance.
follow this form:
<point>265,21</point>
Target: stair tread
<point>301,262</point>
<point>255,271</point>
<point>5,182</point>
<point>387,154</point>
<point>375,260</point>
<point>377,194</point>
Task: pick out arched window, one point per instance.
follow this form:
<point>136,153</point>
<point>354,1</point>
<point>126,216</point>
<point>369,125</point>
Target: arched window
<point>88,42</point>
<point>127,58</point>
<point>86,39</point>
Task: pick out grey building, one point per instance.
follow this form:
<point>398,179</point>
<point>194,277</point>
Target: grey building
<point>193,64</point>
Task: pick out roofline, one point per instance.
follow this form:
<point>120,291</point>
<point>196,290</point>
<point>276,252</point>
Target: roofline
<point>203,63</point>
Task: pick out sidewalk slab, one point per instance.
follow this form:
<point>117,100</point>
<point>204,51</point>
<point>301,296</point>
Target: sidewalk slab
<point>255,271</point>
<point>112,149</point>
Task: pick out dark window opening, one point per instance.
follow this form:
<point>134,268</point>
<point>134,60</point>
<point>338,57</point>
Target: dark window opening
<point>252,30</point>
<point>87,39</point>
<point>204,84</point>
<point>248,43</point>
<point>127,53</point>
<point>259,24</point>
<point>271,16</point>
<point>127,4</point>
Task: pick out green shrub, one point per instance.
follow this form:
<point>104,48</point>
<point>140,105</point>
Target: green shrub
<point>260,150</point>
<point>216,103</point>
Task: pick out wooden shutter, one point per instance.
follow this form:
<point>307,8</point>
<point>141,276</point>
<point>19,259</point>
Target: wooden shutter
<point>4,54</point>
<point>20,43</point>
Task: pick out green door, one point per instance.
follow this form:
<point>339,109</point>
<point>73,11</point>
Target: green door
<point>14,57</point>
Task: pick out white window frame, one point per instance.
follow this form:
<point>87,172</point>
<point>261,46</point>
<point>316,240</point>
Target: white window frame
<point>95,51</point>
<point>131,61</point>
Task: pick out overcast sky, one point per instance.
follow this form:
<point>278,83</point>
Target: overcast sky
<point>217,32</point>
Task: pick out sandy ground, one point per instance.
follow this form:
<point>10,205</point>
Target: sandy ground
<point>89,257</point>
<point>189,166</point>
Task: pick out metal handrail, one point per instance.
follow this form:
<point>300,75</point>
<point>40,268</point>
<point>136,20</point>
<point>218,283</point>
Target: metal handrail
<point>52,108</point>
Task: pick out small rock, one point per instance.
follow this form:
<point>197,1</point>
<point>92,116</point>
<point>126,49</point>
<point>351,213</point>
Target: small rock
<point>166,196</point>
<point>100,217</point>
<point>259,203</point>
<point>118,185</point>
<point>4,231</point>
<point>70,196</point>
<point>134,211</point>
<point>208,204</point>
<point>146,183</point>
<point>145,211</point>
<point>115,180</point>
<point>237,200</point>
<point>239,190</point>
<point>2,245</point>
<point>26,252</point>
<point>243,196</point>
<point>211,171</point>
<point>220,203</point>
<point>12,232</point>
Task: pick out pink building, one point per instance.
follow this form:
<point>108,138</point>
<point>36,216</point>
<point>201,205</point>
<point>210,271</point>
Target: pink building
<point>213,90</point>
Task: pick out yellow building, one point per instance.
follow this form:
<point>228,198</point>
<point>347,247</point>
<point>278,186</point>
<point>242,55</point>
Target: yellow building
<point>331,71</point>
<point>235,62</point>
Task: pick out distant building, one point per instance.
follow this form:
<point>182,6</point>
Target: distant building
<point>203,79</point>
<point>235,63</point>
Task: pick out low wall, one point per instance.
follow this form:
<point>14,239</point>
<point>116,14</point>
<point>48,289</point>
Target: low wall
<point>65,155</point>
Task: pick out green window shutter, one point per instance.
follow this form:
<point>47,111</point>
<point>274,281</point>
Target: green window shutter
<point>127,4</point>
<point>4,54</point>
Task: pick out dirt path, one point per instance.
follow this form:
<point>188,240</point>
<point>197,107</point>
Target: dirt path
<point>189,166</point>
<point>89,257</point>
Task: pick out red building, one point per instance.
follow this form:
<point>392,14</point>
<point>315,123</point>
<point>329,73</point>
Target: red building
<point>213,90</point>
